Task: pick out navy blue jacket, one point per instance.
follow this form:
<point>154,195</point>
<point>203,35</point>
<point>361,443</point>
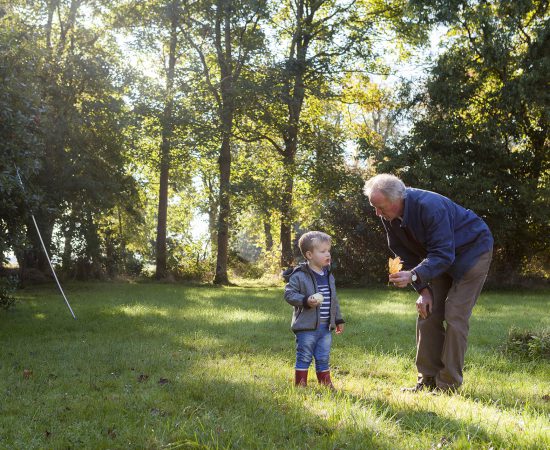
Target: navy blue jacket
<point>437,236</point>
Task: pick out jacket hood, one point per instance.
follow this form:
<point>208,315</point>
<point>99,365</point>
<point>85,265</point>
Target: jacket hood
<point>286,274</point>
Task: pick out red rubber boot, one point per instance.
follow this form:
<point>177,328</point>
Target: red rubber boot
<point>324,379</point>
<point>300,378</point>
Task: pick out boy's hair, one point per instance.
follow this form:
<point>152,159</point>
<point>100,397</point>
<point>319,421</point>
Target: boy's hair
<point>310,239</point>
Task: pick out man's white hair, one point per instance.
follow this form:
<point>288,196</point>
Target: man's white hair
<point>388,185</point>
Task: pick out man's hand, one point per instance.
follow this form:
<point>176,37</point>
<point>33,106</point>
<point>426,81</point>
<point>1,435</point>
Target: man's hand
<point>401,279</point>
<point>424,303</point>
<point>340,328</point>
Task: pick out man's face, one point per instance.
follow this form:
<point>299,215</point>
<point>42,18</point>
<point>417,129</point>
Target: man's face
<point>384,207</point>
<point>320,255</point>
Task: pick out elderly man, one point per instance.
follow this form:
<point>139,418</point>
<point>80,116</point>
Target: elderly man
<point>446,252</point>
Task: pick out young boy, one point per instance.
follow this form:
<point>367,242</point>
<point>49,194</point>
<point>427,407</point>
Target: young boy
<point>312,322</point>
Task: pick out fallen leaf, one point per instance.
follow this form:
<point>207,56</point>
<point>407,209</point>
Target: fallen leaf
<point>111,433</point>
<point>546,397</point>
<point>47,434</point>
<point>27,373</point>
<point>163,381</point>
<point>395,265</point>
<point>142,377</point>
<point>157,412</point>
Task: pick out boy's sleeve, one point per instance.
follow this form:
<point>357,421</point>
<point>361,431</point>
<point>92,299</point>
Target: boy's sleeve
<point>339,318</point>
<point>293,294</point>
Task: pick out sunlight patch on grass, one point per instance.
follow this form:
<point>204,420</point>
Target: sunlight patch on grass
<point>224,316</point>
<point>386,307</point>
<point>452,415</point>
<point>141,310</point>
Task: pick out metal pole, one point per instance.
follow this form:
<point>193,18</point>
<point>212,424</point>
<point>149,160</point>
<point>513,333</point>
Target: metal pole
<point>46,251</point>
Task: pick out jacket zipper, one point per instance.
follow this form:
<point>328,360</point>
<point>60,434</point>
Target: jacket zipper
<point>331,302</point>
<point>318,311</point>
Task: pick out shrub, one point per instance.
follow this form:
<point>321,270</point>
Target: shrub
<point>7,290</point>
<point>529,344</point>
<point>188,260</point>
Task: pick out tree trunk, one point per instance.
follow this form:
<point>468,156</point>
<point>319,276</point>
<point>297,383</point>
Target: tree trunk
<point>297,63</point>
<point>212,211</point>
<point>93,249</point>
<point>212,224</point>
<point>122,242</point>
<point>224,163</point>
<point>167,131</point>
<point>287,254</point>
<point>51,8</point>
<point>33,265</point>
<point>227,110</point>
<point>66,259</point>
<point>268,234</point>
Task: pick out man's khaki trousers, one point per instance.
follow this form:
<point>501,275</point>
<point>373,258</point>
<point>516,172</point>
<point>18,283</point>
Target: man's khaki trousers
<point>440,349</point>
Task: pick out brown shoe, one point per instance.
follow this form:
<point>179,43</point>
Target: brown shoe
<point>300,378</point>
<point>425,384</point>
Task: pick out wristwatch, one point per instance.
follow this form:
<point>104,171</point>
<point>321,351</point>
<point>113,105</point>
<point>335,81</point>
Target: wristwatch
<point>414,277</point>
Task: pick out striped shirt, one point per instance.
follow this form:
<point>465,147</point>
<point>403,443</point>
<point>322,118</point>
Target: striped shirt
<point>323,288</point>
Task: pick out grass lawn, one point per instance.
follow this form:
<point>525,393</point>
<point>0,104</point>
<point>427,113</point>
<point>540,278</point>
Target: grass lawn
<point>171,366</point>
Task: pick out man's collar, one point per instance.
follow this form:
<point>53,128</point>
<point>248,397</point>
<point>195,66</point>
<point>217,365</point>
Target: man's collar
<point>404,218</point>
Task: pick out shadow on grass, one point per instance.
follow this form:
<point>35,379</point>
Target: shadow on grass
<point>222,322</point>
<point>248,337</point>
<point>223,413</point>
<point>423,420</point>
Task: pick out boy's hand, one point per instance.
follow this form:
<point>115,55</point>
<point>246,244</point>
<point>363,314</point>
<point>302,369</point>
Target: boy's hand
<point>340,328</point>
<point>312,303</point>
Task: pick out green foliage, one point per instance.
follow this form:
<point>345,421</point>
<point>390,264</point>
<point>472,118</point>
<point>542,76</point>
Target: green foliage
<point>359,249</point>
<point>528,344</point>
<point>19,122</point>
<point>64,87</point>
<point>189,260</point>
<point>98,98</point>
<point>480,135</point>
<point>8,287</point>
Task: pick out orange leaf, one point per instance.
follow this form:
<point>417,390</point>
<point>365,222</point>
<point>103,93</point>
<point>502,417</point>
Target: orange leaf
<point>395,265</point>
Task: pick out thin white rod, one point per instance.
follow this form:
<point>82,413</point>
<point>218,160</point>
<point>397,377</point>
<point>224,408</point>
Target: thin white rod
<point>51,266</point>
<point>46,251</point>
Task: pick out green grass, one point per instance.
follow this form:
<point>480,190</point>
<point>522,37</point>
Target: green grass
<point>228,355</point>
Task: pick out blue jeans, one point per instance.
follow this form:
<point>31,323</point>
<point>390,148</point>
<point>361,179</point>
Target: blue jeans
<point>313,344</point>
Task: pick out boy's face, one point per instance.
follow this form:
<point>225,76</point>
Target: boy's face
<point>320,255</point>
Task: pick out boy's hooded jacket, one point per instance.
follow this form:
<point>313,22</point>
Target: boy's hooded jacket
<point>300,286</point>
